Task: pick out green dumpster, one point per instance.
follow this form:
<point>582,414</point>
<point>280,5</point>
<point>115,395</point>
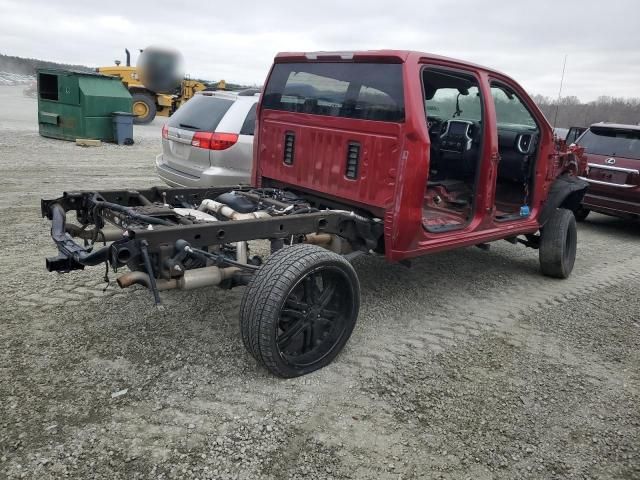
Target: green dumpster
<point>74,105</point>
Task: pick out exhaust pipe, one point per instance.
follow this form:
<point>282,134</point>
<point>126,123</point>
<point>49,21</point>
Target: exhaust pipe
<point>321,239</point>
<point>226,211</point>
<point>199,277</point>
<point>142,278</point>
<point>106,234</point>
<point>329,241</point>
<point>126,51</point>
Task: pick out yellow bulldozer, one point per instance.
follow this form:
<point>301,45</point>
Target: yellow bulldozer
<point>157,84</point>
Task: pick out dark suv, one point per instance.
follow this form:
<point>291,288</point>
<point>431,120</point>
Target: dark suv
<point>613,155</point>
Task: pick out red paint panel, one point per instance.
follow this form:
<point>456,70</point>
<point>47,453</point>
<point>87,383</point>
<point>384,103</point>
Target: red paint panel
<point>320,155</point>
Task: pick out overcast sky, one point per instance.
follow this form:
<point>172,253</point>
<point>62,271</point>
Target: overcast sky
<point>237,42</point>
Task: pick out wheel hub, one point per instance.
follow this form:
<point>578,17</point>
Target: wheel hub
<point>312,318</point>
<point>140,109</point>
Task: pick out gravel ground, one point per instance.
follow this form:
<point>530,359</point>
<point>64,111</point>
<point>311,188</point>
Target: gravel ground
<point>470,364</point>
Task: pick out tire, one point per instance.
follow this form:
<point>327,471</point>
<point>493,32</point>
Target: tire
<point>558,243</point>
<point>581,214</point>
<point>146,105</point>
<point>288,323</point>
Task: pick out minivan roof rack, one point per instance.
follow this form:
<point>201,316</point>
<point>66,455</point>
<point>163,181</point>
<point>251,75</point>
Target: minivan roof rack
<point>249,92</point>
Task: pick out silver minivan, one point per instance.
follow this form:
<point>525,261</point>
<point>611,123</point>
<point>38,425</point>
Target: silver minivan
<point>208,141</point>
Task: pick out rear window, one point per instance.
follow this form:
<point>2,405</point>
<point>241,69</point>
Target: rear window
<point>612,142</point>
<point>369,91</point>
<point>202,113</point>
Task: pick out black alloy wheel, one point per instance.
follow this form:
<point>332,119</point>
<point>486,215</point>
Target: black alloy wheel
<point>300,309</point>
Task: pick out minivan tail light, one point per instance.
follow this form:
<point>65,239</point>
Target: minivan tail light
<point>214,141</point>
<point>201,139</point>
<point>165,131</point>
<point>222,141</point>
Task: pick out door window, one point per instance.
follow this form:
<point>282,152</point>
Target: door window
<point>509,109</point>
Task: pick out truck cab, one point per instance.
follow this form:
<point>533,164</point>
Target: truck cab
<point>444,152</point>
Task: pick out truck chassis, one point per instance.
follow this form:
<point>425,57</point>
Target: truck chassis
<point>300,306</point>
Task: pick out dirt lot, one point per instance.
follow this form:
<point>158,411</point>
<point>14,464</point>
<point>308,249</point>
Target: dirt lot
<point>468,365</point>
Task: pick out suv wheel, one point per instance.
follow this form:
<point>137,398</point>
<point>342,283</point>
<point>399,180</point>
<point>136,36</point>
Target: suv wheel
<point>299,310</point>
<point>558,243</point>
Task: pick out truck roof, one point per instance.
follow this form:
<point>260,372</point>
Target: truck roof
<point>398,56</point>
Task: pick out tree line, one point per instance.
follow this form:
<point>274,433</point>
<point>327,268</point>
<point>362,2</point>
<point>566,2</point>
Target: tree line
<point>28,66</point>
<point>572,112</point>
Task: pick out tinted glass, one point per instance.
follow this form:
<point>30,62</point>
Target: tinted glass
<point>510,110</point>
<point>370,91</point>
<point>448,103</point>
<point>249,124</point>
<point>201,113</point>
<point>612,142</point>
<point>574,134</point>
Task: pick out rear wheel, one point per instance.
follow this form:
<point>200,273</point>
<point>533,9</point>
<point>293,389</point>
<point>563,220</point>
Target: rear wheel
<point>581,213</point>
<point>144,108</point>
<point>299,310</point>
<point>558,244</point>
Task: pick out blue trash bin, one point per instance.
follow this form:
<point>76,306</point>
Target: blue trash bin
<point>123,127</point>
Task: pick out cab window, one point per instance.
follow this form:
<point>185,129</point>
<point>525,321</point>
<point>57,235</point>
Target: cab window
<point>509,108</point>
<point>448,103</point>
<point>367,91</point>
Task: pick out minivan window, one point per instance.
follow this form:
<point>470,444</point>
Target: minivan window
<point>202,113</point>
<point>249,124</point>
<point>611,142</point>
<point>369,91</point>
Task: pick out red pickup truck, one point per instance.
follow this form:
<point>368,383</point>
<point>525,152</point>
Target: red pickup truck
<point>389,153</point>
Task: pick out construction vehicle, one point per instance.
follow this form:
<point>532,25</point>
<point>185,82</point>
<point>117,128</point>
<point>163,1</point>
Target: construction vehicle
<point>162,90</point>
